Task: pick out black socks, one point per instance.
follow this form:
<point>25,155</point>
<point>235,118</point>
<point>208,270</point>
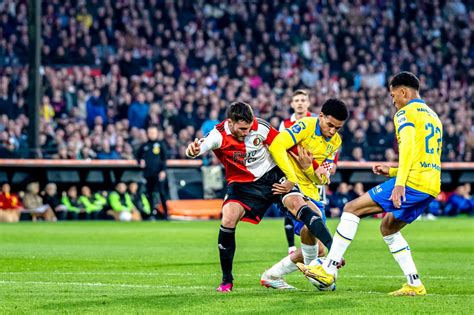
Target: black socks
<point>226,244</point>
<point>315,225</point>
<point>290,232</point>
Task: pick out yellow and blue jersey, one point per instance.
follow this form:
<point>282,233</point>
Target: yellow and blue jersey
<point>307,133</point>
<point>419,133</point>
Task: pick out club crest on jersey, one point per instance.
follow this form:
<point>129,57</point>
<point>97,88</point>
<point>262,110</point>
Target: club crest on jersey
<point>257,141</point>
<point>329,149</point>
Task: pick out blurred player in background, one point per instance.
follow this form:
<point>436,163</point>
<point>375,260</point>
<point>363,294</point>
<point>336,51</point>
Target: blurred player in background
<point>414,184</point>
<point>319,140</point>
<point>300,105</point>
<point>240,143</point>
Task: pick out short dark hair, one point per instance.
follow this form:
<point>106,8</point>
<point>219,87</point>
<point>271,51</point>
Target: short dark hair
<point>405,78</point>
<point>300,92</point>
<point>336,108</point>
<point>240,111</point>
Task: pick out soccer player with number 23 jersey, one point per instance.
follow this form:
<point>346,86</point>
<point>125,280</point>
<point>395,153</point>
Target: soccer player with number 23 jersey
<point>414,184</point>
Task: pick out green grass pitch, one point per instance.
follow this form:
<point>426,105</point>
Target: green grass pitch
<point>173,267</point>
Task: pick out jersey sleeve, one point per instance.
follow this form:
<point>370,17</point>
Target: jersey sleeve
<point>284,141</point>
<point>212,141</point>
<point>405,128</point>
<point>267,131</point>
<point>282,126</point>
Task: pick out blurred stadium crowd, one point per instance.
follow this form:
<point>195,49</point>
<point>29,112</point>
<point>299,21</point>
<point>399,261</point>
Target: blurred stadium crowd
<point>112,68</point>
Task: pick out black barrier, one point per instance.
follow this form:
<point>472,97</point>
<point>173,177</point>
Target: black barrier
<point>185,177</point>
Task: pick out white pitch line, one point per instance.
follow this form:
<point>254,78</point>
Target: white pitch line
<point>189,274</point>
<point>429,294</point>
<point>100,284</point>
<point>175,287</point>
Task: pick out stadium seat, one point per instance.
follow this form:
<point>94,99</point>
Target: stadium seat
<point>192,190</point>
<point>185,183</point>
<point>466,177</point>
<point>366,177</point>
<point>20,178</point>
<point>446,178</point>
<point>68,176</point>
<point>336,178</point>
<point>113,178</point>
<point>132,176</point>
<point>95,177</point>
<point>3,177</point>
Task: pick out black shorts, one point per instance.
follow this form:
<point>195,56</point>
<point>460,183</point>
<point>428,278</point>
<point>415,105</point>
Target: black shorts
<point>256,197</point>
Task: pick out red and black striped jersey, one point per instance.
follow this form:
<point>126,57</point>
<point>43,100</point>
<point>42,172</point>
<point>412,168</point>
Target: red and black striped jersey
<point>244,161</point>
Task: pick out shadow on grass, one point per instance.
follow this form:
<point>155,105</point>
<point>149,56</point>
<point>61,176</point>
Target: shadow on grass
<point>250,301</point>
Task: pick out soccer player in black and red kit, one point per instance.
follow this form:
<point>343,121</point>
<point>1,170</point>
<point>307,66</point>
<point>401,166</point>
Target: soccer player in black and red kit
<point>254,181</point>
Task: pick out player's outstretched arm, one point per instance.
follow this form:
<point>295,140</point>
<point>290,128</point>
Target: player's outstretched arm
<point>198,147</point>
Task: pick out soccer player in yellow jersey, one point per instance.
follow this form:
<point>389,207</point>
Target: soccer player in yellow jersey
<point>317,138</point>
<point>414,184</point>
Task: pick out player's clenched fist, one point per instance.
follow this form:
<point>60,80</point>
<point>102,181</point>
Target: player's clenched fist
<point>193,148</point>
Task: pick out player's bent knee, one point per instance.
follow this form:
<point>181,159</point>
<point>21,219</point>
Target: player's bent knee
<point>388,230</point>
<point>229,222</point>
<point>231,214</point>
<point>293,203</point>
<point>350,208</point>
<point>230,219</point>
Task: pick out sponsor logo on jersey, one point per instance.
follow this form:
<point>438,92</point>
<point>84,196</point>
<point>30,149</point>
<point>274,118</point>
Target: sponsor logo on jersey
<point>245,157</point>
<point>296,129</point>
<point>430,165</point>
<point>428,111</point>
<point>401,119</point>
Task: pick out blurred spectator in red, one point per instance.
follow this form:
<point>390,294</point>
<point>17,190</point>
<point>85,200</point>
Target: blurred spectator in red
<point>10,205</point>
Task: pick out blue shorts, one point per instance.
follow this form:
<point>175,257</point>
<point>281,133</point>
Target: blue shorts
<point>416,201</point>
<point>298,225</point>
